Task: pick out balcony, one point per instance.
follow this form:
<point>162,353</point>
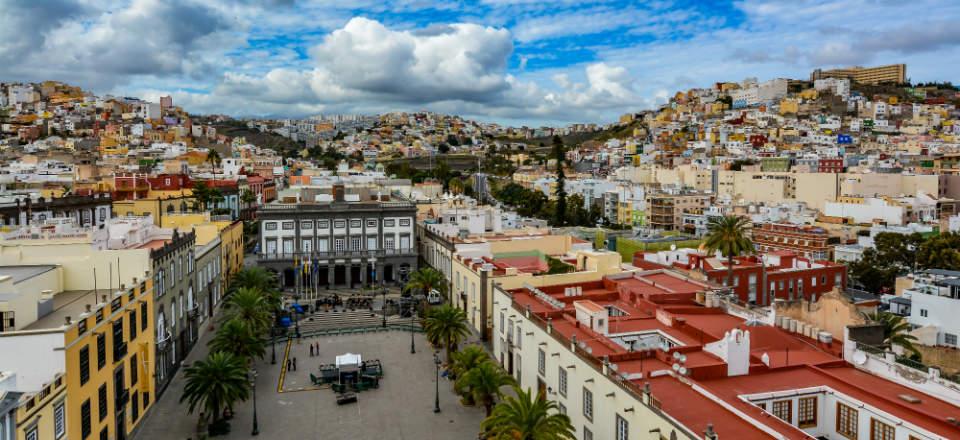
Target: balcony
<point>336,254</point>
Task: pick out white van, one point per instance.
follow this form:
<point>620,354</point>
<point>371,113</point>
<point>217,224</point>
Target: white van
<point>434,297</point>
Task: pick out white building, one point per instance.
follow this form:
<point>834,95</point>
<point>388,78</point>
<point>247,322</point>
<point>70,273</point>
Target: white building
<point>935,305</point>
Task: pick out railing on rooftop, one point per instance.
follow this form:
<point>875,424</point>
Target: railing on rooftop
<point>335,254</point>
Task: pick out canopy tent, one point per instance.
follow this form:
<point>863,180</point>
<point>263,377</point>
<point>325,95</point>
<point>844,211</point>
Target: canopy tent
<point>348,360</point>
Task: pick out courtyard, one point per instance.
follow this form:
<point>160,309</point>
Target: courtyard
<point>290,406</point>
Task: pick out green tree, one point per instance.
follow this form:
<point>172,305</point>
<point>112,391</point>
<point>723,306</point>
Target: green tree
<point>238,338</point>
<point>426,279</point>
<point>484,382</point>
<point>527,417</point>
<point>892,255</point>
<point>213,158</point>
<point>465,360</point>
<point>728,234</point>
<point>895,330</point>
<point>259,279</point>
<point>560,214</point>
<point>446,326</point>
<point>215,383</point>
<point>202,195</point>
<point>940,252</point>
<point>248,198</point>
<point>249,306</point>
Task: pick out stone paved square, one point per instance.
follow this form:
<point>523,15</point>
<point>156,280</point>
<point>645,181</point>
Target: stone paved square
<point>402,408</point>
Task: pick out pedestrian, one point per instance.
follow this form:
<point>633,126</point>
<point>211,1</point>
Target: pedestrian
<point>288,364</point>
<point>311,349</point>
<point>294,364</point>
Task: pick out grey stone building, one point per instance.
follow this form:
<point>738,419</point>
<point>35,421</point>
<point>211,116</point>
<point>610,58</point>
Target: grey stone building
<point>173,267</point>
<point>207,292</point>
<point>344,240</point>
<point>87,210</point>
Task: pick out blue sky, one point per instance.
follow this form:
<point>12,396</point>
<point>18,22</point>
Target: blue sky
<point>511,61</point>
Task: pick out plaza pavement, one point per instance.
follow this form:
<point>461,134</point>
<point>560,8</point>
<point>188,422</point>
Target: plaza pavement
<point>401,409</point>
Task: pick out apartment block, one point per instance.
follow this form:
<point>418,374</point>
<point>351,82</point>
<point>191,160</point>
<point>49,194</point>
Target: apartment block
<point>889,74</point>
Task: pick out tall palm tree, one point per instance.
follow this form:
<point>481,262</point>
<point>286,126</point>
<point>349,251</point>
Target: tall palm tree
<point>465,360</point>
<point>236,337</point>
<point>895,330</point>
<point>526,417</point>
<point>484,382</point>
<point>426,279</point>
<point>447,326</point>
<point>213,158</point>
<point>249,306</point>
<point>216,383</point>
<point>257,278</point>
<point>728,234</point>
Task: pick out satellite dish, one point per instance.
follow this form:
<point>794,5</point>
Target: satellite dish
<point>859,358</point>
<point>673,247</point>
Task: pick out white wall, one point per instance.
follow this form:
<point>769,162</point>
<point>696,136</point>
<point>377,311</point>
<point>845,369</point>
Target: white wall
<point>39,356</point>
<point>941,311</point>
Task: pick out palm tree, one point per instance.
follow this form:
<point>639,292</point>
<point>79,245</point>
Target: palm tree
<point>248,198</point>
<point>484,382</point>
<point>427,279</point>
<point>895,330</point>
<point>216,383</point>
<point>202,195</point>
<point>527,418</point>
<point>447,326</point>
<point>213,158</point>
<point>236,337</point>
<point>465,360</point>
<point>249,306</point>
<point>257,278</point>
<point>727,234</point>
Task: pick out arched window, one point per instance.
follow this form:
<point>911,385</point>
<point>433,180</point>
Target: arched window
<point>169,209</point>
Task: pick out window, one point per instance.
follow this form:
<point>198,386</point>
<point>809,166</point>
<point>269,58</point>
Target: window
<point>323,245</point>
<point>32,434</point>
<point>588,404</point>
<point>518,369</point>
<point>950,339</point>
<point>84,364</point>
<point>541,361</point>
<point>306,224</point>
<point>923,313</point>
<point>372,242</point>
<point>389,223</point>
<point>143,316</point>
<point>133,369</point>
<point>102,402</point>
<point>133,326</point>
<point>355,224</point>
<point>59,427</point>
<point>502,318</point>
<point>881,431</point>
<point>119,347</point>
<point>287,226</point>
<point>561,408</point>
<point>101,350</point>
<point>623,428</point>
<point>388,242</point>
<point>339,224</point>
<point>85,419</point>
<point>587,433</point>
<point>339,244</point>
<point>783,410</point>
<point>846,421</point>
<point>371,223</point>
<point>105,433</point>
<point>270,226</point>
<point>562,381</point>
<point>134,407</point>
<point>355,244</point>
<point>404,222</point>
<point>323,224</point>
<point>807,412</point>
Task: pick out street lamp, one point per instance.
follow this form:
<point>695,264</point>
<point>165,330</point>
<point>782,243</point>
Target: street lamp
<point>273,349</point>
<point>436,400</point>
<point>383,306</point>
<point>253,384</point>
<point>413,349</point>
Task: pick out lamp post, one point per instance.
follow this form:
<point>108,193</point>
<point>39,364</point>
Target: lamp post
<point>413,349</point>
<point>436,400</point>
<point>296,314</point>
<point>273,347</point>
<point>383,306</point>
<point>253,384</point>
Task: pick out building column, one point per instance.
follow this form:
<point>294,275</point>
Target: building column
<point>348,272</point>
<point>363,273</point>
<point>331,269</point>
<point>381,280</point>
